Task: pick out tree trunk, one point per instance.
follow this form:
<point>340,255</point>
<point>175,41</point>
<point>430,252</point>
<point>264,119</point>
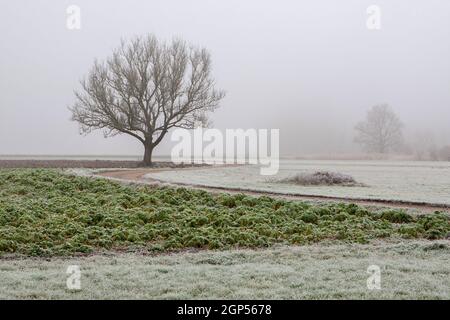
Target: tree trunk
<point>148,154</point>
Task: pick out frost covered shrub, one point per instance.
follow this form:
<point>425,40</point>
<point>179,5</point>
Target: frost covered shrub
<point>321,178</point>
<point>435,225</point>
<point>411,231</point>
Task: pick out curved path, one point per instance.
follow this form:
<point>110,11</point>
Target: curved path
<point>137,176</point>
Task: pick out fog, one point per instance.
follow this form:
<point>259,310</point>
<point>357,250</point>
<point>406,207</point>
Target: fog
<point>311,69</point>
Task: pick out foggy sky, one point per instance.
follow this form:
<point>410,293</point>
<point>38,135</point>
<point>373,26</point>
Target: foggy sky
<point>310,68</point>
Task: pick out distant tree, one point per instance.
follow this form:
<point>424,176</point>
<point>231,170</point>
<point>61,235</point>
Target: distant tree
<point>146,88</point>
<point>381,131</point>
<point>424,146</point>
<point>444,153</point>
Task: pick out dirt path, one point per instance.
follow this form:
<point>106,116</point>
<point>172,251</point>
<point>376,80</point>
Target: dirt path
<point>136,176</point>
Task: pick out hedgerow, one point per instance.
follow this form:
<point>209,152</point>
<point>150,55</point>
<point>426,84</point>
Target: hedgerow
<point>46,212</point>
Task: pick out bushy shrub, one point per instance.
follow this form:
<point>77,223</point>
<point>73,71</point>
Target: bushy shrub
<point>321,178</point>
<point>396,216</point>
<point>309,217</point>
<point>411,231</point>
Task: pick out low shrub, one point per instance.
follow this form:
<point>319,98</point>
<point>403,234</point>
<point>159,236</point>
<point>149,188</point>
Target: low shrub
<point>396,216</point>
<point>321,178</point>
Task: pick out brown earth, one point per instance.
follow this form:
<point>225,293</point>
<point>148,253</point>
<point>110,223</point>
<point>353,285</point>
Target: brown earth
<point>90,164</point>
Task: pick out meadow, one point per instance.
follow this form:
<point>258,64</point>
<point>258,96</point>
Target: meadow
<point>411,181</point>
<point>47,212</point>
<point>409,270</point>
<point>150,242</point>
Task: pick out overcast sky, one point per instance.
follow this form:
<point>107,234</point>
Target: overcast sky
<point>309,68</point>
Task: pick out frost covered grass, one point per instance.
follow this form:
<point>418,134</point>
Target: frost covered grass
<point>409,270</point>
<point>47,213</point>
<point>413,181</point>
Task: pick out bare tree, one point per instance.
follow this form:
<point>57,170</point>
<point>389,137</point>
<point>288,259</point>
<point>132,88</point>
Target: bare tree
<point>381,132</point>
<point>146,88</point>
<point>424,146</point>
<point>444,153</point>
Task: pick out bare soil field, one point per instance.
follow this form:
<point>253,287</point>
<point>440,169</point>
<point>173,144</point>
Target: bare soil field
<point>91,164</point>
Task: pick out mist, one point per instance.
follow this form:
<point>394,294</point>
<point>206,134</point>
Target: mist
<point>311,70</point>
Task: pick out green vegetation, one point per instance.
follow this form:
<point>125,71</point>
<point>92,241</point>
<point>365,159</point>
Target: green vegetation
<point>46,212</point>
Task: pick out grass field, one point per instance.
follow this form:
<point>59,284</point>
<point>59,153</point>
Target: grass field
<point>415,181</point>
<point>153,242</point>
<point>411,270</point>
